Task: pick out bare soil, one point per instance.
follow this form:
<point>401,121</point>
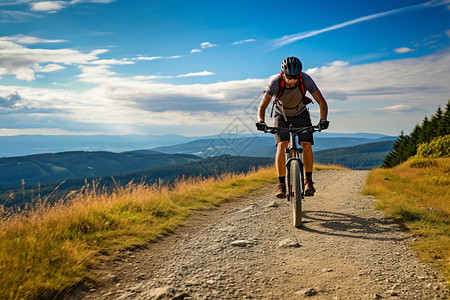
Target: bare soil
<point>249,249</point>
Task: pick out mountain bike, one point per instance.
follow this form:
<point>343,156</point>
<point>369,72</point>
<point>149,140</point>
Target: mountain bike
<point>295,176</point>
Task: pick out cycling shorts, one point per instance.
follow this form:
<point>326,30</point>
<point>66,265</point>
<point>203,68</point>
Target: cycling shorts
<point>300,120</point>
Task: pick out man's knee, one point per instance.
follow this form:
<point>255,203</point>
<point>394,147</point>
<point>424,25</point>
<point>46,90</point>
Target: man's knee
<point>282,145</point>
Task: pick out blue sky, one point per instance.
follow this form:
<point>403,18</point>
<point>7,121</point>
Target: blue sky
<point>198,67</point>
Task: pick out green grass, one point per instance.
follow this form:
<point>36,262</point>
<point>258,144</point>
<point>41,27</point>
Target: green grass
<point>417,194</point>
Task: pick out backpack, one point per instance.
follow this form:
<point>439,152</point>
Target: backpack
<point>282,87</point>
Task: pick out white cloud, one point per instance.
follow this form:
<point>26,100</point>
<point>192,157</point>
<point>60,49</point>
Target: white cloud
<point>48,6</point>
<point>207,45</point>
<point>409,88</point>
<point>382,97</point>
<point>196,51</point>
<point>400,108</point>
<point>203,73</point>
<point>23,62</point>
<point>23,39</point>
<point>111,62</point>
<point>243,42</point>
<point>403,50</point>
<point>51,68</point>
<point>156,57</point>
<point>55,6</point>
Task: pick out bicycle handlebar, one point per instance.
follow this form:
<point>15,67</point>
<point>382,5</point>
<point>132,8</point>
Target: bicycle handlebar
<point>299,130</point>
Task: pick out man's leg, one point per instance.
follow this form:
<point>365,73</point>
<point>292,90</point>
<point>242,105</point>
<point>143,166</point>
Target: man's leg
<point>280,165</point>
<point>308,161</point>
<point>308,156</point>
<point>280,158</point>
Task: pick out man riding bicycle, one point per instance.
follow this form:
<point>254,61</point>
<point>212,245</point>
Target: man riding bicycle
<point>290,108</point>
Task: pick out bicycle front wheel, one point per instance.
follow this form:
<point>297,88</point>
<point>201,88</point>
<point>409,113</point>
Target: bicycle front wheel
<point>296,192</point>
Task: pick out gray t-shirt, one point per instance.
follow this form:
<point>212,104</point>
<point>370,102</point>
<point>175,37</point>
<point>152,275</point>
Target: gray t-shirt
<point>291,100</point>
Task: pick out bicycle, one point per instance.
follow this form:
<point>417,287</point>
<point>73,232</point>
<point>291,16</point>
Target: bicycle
<point>295,183</point>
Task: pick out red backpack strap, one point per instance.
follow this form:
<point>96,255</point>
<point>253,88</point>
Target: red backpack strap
<point>281,87</point>
<point>302,87</point>
<point>306,100</point>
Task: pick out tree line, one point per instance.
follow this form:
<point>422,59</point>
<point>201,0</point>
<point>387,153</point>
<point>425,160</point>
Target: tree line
<point>406,145</point>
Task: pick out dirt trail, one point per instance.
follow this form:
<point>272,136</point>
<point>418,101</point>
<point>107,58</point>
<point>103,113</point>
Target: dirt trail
<point>345,250</point>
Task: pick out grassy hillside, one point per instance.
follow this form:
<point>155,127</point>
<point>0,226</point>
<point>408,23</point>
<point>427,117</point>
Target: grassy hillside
<point>360,157</point>
<point>49,167</point>
<point>196,167</point>
<point>417,194</point>
<point>44,252</point>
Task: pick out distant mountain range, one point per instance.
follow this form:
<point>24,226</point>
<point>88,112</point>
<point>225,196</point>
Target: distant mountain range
<point>259,146</point>
<point>21,145</point>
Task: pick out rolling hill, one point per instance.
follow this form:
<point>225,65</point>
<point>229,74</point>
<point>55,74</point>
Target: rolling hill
<point>50,167</point>
<point>360,157</point>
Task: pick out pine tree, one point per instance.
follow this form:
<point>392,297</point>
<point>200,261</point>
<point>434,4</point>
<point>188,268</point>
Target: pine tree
<point>436,124</point>
<point>445,121</point>
<point>406,145</point>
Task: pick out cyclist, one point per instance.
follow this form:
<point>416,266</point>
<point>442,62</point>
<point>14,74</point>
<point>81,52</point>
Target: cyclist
<point>290,108</point>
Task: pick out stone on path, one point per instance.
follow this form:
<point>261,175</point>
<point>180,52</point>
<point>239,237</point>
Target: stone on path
<point>241,243</point>
<point>288,243</point>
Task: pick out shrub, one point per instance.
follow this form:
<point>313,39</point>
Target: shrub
<point>438,147</point>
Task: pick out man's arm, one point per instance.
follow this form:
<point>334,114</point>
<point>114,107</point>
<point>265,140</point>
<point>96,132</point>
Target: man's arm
<point>263,105</point>
<point>322,103</point>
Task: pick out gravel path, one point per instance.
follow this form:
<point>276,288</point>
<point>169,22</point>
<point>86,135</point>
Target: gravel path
<point>248,249</point>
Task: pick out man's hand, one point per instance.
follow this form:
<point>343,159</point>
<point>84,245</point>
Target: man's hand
<point>261,126</point>
<point>323,124</point>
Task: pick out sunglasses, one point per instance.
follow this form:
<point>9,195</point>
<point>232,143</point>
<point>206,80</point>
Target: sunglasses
<point>291,77</point>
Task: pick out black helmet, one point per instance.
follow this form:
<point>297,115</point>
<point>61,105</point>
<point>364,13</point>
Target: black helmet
<point>291,66</point>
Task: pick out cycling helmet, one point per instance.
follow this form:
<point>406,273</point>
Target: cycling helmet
<point>291,66</point>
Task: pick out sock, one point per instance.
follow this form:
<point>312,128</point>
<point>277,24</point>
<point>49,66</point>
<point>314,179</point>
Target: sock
<point>282,179</point>
<point>308,176</point>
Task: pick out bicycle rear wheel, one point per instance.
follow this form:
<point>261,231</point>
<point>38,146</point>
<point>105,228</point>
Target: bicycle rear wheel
<point>296,192</point>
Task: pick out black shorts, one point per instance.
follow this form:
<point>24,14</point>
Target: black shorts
<point>301,120</point>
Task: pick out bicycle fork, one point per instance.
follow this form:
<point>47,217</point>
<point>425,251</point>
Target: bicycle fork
<point>293,153</point>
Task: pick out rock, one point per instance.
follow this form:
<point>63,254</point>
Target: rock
<point>166,292</point>
<point>288,243</point>
<point>307,292</point>
<point>273,204</point>
<point>241,243</point>
<point>327,270</point>
<point>377,296</point>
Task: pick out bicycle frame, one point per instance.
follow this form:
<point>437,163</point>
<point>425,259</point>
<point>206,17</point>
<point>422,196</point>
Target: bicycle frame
<point>293,153</point>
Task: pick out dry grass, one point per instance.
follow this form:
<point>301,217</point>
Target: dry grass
<point>417,194</point>
<point>319,167</point>
<point>50,249</point>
